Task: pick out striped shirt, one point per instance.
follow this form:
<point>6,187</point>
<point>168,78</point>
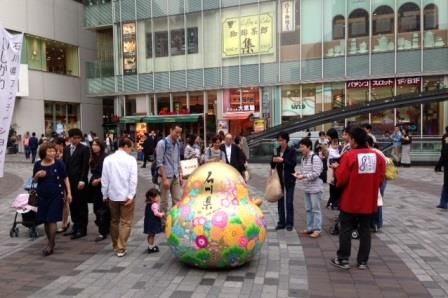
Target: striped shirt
<point>312,170</point>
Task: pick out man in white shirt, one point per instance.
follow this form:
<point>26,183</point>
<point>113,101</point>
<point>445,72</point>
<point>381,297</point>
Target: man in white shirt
<point>119,186</point>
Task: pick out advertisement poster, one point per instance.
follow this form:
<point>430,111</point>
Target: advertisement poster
<point>223,125</point>
<point>129,48</point>
<point>248,35</point>
<point>288,16</point>
<point>259,125</point>
<point>140,130</point>
<point>293,106</point>
<point>10,50</point>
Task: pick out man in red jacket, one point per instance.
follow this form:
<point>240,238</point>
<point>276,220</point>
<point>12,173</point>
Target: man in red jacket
<point>360,175</point>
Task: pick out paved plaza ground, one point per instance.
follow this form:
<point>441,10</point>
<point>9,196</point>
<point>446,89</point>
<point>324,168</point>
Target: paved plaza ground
<point>409,257</point>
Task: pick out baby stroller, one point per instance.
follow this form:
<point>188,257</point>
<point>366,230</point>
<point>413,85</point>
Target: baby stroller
<point>27,212</point>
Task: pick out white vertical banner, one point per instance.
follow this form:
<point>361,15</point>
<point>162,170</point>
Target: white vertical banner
<point>10,50</point>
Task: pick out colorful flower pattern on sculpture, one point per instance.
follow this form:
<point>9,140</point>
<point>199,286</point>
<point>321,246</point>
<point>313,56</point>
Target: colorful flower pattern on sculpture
<point>221,229</point>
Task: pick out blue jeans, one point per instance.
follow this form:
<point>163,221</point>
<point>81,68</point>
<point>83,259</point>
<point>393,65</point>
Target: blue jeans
<point>289,222</point>
<point>313,213</point>
<point>444,196</point>
<point>378,216</point>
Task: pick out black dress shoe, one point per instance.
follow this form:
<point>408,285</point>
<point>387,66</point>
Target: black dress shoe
<point>69,233</point>
<point>78,235</point>
<point>289,228</point>
<point>280,227</point>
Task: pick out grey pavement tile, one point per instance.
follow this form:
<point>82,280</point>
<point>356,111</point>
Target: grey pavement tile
<point>71,291</point>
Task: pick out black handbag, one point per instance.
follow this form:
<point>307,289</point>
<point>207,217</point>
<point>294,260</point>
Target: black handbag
<point>33,199</point>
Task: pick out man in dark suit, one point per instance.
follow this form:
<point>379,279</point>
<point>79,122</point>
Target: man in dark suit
<point>284,161</point>
<point>33,144</point>
<point>234,155</point>
<point>148,147</point>
<point>76,159</point>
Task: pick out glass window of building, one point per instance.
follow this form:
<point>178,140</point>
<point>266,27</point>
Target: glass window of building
<point>311,99</point>
<point>60,117</point>
<point>197,103</point>
<point>333,98</point>
<point>177,42</point>
<point>338,27</point>
<point>161,44</point>
<point>334,28</point>
<point>51,56</point>
<point>433,112</point>
<point>382,121</point>
<point>148,45</point>
<point>357,94</point>
<point>409,117</point>
<point>163,104</point>
<point>431,17</point>
<point>291,103</point>
<point>383,29</point>
<point>290,30</point>
<point>408,17</point>
<point>180,103</point>
<point>193,40</point>
<point>241,100</point>
<point>311,29</point>
<point>358,28</point>
<point>131,106</point>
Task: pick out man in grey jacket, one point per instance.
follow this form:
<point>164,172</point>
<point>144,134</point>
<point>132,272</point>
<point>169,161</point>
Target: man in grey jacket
<point>310,170</point>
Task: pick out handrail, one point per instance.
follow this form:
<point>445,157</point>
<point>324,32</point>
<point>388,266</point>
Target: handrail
<point>350,111</point>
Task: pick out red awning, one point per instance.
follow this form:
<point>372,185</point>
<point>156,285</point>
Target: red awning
<point>236,116</point>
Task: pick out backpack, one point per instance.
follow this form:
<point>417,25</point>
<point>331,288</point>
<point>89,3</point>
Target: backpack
<point>323,174</point>
<point>154,169</point>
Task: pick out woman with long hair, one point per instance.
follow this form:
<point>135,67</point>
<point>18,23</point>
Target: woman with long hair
<point>60,146</point>
<point>100,208</point>
<point>51,177</point>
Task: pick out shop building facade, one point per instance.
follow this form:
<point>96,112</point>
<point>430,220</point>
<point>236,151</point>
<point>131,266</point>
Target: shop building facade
<point>243,65</point>
<point>52,94</point>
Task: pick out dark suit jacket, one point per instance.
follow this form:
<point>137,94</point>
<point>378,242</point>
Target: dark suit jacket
<point>33,143</point>
<point>287,168</point>
<point>149,145</point>
<point>77,165</point>
<point>237,158</point>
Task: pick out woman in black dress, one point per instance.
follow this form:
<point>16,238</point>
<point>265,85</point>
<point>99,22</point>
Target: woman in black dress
<point>50,176</point>
<point>100,208</point>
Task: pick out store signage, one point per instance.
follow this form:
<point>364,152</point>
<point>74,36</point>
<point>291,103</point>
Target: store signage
<point>248,35</point>
<point>259,125</point>
<point>409,81</point>
<point>357,84</point>
<point>293,106</point>
<point>382,83</point>
<point>129,48</point>
<point>288,16</point>
<point>10,50</point>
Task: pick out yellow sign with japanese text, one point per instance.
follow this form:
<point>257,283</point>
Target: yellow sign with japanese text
<point>248,35</point>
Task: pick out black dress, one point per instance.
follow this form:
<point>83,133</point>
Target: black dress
<point>153,223</point>
<point>100,208</point>
<point>50,191</point>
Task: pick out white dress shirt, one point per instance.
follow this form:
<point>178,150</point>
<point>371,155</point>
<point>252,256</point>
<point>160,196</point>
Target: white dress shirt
<point>229,152</point>
<point>119,177</point>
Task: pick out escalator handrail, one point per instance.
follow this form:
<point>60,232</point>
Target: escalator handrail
<point>371,106</point>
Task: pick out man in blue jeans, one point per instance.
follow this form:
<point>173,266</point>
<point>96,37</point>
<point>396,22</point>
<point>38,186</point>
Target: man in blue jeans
<point>310,171</point>
<point>284,161</point>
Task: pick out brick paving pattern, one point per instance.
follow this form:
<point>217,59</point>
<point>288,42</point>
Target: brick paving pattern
<point>408,258</point>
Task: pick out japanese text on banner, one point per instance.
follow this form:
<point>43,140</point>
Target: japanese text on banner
<point>10,50</point>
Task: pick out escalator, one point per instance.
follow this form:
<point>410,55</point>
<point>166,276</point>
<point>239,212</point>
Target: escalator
<point>347,112</point>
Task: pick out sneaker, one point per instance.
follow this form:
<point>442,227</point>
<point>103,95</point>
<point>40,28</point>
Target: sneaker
<point>341,264</point>
<point>121,254</point>
<point>362,266</point>
<point>315,234</point>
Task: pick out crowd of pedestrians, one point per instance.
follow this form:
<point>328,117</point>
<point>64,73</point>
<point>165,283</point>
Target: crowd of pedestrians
<point>355,172</point>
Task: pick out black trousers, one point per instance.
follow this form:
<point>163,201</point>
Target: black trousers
<point>348,222</point>
<point>79,211</point>
<point>101,210</point>
<point>335,196</point>
<point>147,157</point>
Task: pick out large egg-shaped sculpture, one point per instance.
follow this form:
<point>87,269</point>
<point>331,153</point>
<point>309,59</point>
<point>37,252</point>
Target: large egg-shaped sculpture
<point>215,229</point>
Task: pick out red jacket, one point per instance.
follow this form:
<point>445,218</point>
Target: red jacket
<point>360,175</point>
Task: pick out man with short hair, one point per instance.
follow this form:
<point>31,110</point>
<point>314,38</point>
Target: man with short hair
<point>368,129</point>
<point>360,173</point>
<point>76,158</point>
<point>233,154</point>
<point>168,165</point>
<point>119,186</point>
<point>310,170</point>
<point>33,144</point>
